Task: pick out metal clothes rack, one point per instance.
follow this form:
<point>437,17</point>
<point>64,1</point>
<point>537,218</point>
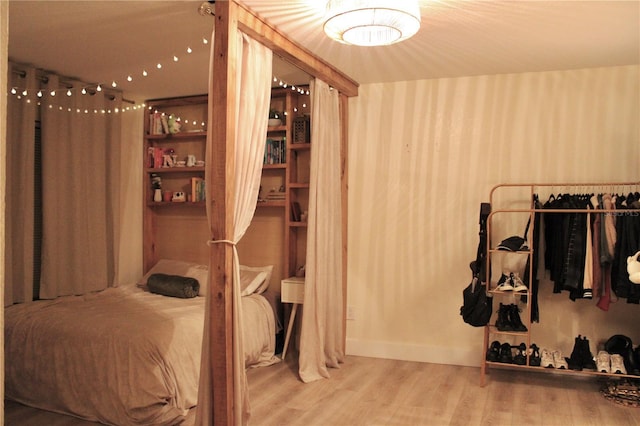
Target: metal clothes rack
<point>489,329</point>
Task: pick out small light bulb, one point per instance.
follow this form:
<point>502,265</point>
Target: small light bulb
<point>275,79</point>
<point>204,40</point>
<point>144,73</point>
<point>129,78</point>
<point>69,92</point>
<point>189,50</point>
<point>39,93</point>
<point>175,58</point>
<point>52,93</point>
<point>113,84</point>
<point>84,91</point>
<point>159,66</point>
<point>24,92</point>
<point>99,88</point>
<point>13,91</point>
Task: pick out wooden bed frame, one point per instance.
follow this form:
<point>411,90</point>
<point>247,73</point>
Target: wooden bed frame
<point>230,17</point>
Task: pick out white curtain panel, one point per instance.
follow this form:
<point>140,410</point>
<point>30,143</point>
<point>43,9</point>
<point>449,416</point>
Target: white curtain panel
<point>21,120</point>
<point>80,163</point>
<point>321,340</point>
<point>253,91</point>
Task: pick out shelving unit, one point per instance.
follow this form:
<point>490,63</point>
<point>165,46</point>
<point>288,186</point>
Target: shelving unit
<point>172,229</point>
<point>293,176</point>
<point>169,227</point>
<point>490,330</point>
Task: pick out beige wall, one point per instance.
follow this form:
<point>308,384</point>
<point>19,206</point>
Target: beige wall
<point>424,154</point>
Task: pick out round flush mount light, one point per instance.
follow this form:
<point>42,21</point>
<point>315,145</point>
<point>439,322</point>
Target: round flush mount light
<point>371,22</point>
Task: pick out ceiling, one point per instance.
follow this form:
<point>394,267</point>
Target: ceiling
<point>105,41</point>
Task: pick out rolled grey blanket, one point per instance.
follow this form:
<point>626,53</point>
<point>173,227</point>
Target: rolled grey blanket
<point>173,285</point>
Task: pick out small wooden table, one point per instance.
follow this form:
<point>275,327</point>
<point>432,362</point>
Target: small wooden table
<point>292,291</point>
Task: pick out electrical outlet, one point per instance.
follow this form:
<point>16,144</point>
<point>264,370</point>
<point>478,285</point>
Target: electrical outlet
<point>351,313</point>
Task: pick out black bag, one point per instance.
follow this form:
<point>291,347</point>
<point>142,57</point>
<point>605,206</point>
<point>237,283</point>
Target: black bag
<point>477,305</point>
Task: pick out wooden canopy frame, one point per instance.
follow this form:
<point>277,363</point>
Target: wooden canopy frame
<point>230,16</point>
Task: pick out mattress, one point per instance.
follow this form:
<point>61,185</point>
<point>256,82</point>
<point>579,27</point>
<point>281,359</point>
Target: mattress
<point>122,356</point>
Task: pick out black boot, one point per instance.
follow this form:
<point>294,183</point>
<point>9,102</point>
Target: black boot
<point>588,362</point>
<point>503,323</point>
<point>505,354</point>
<point>514,318</point>
<point>576,360</point>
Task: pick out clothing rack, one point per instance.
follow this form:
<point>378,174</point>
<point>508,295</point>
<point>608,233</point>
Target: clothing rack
<point>533,188</point>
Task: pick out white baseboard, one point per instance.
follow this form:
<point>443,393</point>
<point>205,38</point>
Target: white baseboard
<point>469,357</point>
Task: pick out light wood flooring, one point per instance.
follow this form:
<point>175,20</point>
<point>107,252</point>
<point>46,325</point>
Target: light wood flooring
<point>368,391</point>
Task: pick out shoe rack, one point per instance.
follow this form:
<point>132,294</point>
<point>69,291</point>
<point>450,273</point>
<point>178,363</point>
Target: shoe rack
<point>511,321</point>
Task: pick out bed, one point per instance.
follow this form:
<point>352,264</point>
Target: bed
<point>122,356</point>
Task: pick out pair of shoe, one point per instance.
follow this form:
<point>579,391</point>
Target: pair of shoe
<point>610,363</point>
<point>507,354</point>
<point>509,318</point>
<point>553,359</point>
<point>581,356</point>
<point>511,282</point>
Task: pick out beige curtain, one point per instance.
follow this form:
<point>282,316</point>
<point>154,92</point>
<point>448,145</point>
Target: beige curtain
<point>80,172</point>
<point>21,121</point>
<point>322,334</point>
<point>254,92</point>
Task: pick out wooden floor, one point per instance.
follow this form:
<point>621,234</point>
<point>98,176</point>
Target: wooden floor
<point>368,391</point>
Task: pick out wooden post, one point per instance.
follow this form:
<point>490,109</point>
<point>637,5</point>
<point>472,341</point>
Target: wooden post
<point>344,180</point>
<point>222,100</point>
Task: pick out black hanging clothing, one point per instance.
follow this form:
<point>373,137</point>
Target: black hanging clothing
<point>627,244</point>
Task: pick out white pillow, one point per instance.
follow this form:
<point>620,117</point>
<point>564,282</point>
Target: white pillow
<point>181,268</point>
<point>261,286</point>
<point>250,281</point>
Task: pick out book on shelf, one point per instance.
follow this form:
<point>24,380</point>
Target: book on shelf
<point>275,196</point>
<point>165,123</point>
<point>159,123</point>
<point>296,212</point>
<point>155,123</point>
<point>197,189</point>
<point>275,151</point>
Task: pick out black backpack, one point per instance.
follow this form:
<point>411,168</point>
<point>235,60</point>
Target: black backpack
<point>477,305</point>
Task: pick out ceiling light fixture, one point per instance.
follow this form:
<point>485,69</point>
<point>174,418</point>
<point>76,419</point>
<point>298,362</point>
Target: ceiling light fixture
<point>371,22</point>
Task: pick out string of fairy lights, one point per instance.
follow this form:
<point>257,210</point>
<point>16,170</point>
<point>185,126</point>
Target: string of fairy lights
<point>49,95</point>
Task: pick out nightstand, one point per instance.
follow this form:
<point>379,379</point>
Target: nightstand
<point>292,291</point>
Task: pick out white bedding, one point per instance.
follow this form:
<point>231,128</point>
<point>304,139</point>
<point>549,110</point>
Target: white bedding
<point>123,356</point>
